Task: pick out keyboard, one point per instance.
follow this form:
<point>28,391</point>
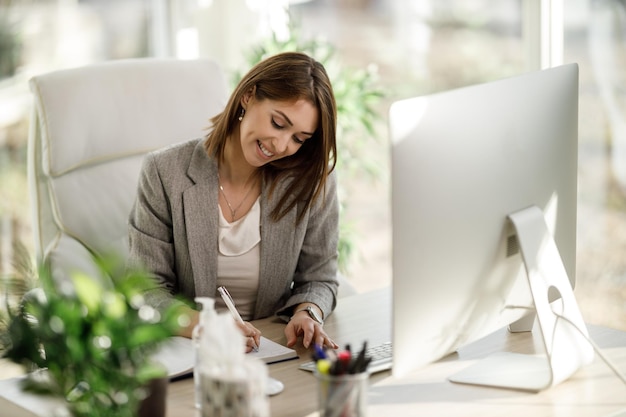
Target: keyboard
<point>381,359</point>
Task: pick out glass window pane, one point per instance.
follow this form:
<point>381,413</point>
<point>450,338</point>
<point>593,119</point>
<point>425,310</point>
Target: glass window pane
<point>595,35</point>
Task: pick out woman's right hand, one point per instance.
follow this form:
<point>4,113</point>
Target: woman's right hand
<point>252,335</point>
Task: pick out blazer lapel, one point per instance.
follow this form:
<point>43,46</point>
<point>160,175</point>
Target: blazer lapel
<point>277,246</point>
<point>199,203</point>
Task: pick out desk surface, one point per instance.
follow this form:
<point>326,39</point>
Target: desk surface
<point>592,391</point>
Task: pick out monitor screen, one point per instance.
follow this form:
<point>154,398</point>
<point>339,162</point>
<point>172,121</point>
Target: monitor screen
<point>462,162</point>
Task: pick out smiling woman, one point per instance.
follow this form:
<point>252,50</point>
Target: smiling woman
<point>272,130</point>
<point>306,93</point>
<point>266,133</point>
<point>261,178</point>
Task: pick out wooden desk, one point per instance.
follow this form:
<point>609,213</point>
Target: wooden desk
<point>594,391</point>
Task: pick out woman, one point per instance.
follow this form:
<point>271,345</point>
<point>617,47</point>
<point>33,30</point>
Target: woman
<point>252,207</point>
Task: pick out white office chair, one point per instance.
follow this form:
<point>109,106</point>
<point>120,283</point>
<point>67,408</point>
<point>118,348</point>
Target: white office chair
<point>90,130</point>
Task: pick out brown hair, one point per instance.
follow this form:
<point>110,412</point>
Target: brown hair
<point>287,76</point>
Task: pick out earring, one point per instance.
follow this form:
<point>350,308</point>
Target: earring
<point>241,115</point>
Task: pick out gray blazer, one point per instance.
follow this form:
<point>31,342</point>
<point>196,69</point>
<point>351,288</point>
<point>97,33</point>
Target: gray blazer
<point>173,231</point>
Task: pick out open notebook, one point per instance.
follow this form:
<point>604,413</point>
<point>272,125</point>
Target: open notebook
<point>178,357</point>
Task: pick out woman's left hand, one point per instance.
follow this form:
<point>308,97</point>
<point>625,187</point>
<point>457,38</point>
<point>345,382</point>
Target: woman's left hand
<point>301,324</point>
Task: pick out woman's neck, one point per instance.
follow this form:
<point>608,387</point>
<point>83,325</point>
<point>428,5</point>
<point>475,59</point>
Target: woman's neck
<point>234,169</point>
<point>239,183</point>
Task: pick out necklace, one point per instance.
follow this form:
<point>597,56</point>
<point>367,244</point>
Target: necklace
<point>233,211</point>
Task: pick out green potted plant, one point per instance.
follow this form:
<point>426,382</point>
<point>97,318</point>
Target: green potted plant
<point>90,343</point>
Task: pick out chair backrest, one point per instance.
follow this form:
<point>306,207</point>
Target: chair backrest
<point>90,130</point>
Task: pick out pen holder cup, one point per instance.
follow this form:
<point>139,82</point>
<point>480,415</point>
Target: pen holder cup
<point>342,395</point>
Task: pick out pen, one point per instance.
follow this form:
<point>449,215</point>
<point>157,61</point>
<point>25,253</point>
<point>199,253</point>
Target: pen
<point>357,365</point>
<point>319,353</point>
<point>340,366</point>
<point>228,300</point>
<point>323,366</point>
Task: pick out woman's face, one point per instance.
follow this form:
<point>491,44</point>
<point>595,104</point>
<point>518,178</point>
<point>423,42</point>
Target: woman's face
<point>272,130</point>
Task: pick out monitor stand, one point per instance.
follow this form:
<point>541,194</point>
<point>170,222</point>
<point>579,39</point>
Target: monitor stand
<point>562,329</point>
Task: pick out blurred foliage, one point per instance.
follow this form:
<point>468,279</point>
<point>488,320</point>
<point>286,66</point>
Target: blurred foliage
<point>357,93</point>
<point>13,182</point>
<point>15,285</point>
<point>10,44</point>
<point>87,342</point>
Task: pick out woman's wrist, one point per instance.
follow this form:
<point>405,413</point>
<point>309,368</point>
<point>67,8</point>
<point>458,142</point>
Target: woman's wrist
<point>312,310</point>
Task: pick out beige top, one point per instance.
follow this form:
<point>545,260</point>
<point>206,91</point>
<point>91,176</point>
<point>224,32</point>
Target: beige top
<point>238,258</point>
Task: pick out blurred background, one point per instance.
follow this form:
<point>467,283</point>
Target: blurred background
<point>385,50</point>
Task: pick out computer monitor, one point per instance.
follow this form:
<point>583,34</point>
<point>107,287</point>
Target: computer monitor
<point>484,186</point>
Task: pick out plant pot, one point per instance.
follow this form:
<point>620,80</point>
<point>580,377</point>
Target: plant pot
<point>154,404</point>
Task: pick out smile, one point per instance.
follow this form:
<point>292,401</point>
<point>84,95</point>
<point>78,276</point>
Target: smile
<point>264,150</point>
